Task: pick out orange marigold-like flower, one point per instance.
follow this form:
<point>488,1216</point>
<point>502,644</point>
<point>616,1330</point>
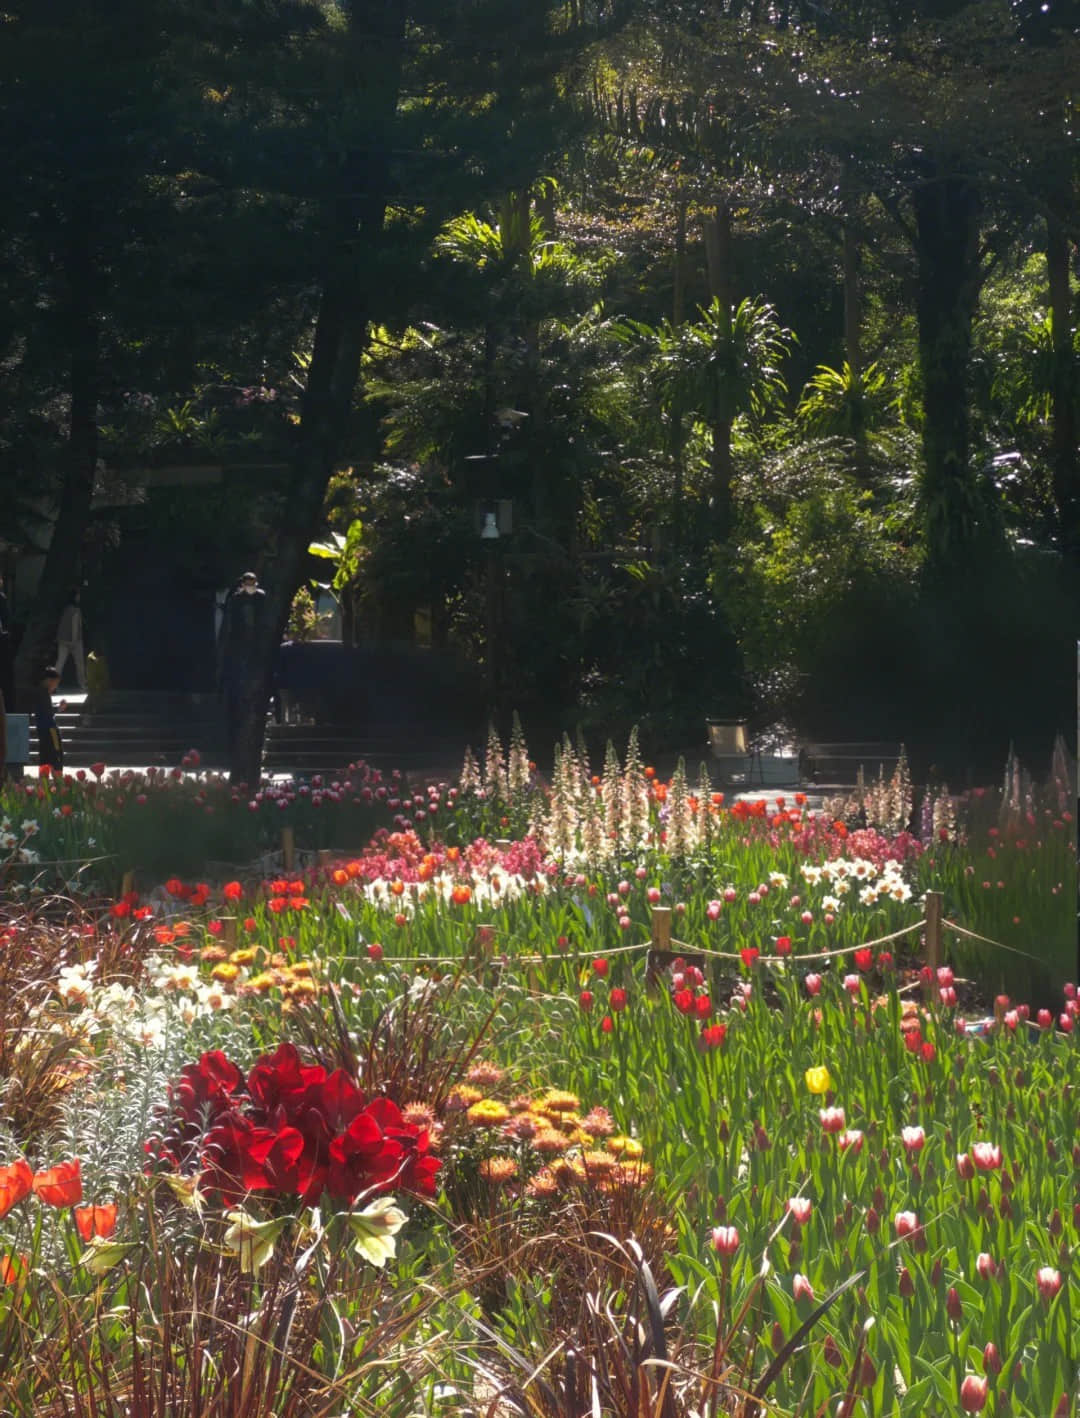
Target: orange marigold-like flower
<point>488,1113</point>
<point>498,1170</point>
<point>549,1142</point>
<point>555,1100</point>
<point>543,1185</point>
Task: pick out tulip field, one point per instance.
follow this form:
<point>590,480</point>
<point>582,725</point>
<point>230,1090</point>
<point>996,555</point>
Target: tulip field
<point>601,1096</point>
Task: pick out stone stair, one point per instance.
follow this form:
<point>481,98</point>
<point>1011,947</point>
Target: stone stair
<point>328,749</point>
<point>139,729</point>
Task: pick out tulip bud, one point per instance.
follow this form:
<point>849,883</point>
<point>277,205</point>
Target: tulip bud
<point>953,1306</point>
<point>867,1372</point>
<point>935,1274</point>
<point>973,1393</point>
<point>873,1221</point>
<point>991,1359</point>
<point>778,1336</point>
<point>833,1357</point>
<point>1054,1226</point>
<point>907,1285</point>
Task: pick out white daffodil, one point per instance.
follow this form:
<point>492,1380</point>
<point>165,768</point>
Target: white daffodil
<point>375,1228</point>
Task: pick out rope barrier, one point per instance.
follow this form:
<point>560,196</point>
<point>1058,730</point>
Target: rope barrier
<point>817,955</point>
<point>62,861</point>
<point>639,946</point>
<point>974,935</point>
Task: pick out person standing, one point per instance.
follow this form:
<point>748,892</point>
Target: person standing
<point>50,748</point>
<point>7,656</point>
<point>69,636</point>
<point>238,661</point>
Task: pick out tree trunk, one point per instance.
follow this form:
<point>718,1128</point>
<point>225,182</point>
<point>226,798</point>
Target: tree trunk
<point>357,217</point>
<point>852,322</point>
<point>718,260</point>
<point>678,297</point>
<point>1064,431</point>
<point>545,209</point>
<point>63,560</point>
<point>718,254</point>
<point>947,209</point>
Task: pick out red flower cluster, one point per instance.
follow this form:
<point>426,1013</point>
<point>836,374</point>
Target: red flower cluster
<point>291,1129</point>
<point>197,895</point>
<point>688,992</point>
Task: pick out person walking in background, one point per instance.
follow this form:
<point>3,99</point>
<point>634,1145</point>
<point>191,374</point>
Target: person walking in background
<point>50,749</point>
<point>69,636</point>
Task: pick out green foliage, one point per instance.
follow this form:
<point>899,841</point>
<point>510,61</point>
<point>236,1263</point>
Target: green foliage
<point>814,542</point>
<point>839,404</point>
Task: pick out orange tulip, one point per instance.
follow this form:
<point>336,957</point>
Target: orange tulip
<point>96,1220</point>
<point>13,1269</point>
<point>16,1182</point>
<point>60,1185</point>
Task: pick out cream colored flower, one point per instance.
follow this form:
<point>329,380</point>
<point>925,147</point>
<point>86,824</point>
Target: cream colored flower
<point>252,1240</point>
<point>375,1229</point>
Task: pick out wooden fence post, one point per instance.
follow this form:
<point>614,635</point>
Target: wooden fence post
<point>228,931</point>
<point>935,956</point>
<point>127,886</point>
<point>660,949</point>
<point>324,856</point>
<point>288,848</point>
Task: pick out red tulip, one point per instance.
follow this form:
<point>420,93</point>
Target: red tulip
<point>60,1185</point>
<point>93,1221</point>
<point>16,1183</point>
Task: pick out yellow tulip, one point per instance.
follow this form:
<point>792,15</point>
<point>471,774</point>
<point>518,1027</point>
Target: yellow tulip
<point>818,1079</point>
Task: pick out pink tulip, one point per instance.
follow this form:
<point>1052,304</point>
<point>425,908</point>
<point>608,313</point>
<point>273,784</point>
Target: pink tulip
<point>914,1139</point>
<point>853,1139</point>
<point>801,1288</point>
<point>725,1240</point>
<point>1049,1282</point>
<point>813,984</point>
<point>800,1208</point>
<point>907,1223</point>
<point>986,1156</point>
<point>832,1119</point>
<point>974,1392</point>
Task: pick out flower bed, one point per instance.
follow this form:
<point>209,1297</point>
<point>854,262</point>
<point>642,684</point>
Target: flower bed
<point>416,1119</point>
